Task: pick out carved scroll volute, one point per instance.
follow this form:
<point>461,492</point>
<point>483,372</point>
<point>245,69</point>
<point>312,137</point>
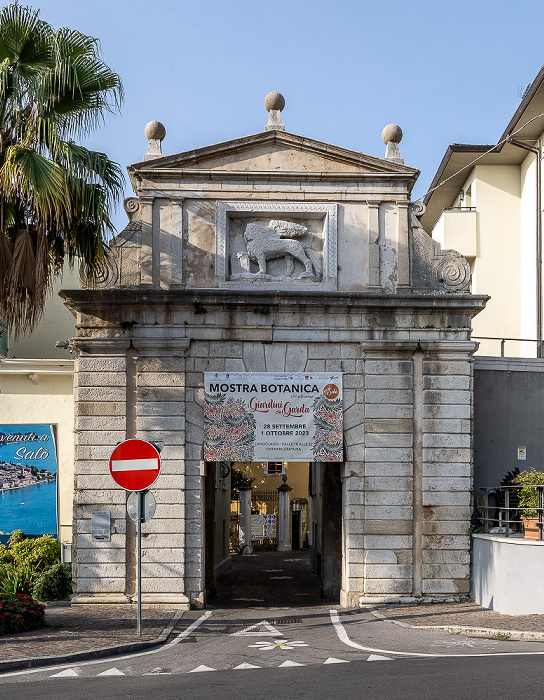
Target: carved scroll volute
<point>452,271</point>
<point>106,274</point>
<point>436,268</point>
<point>132,207</point>
<point>417,209</point>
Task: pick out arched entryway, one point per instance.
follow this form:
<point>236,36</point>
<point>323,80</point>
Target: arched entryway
<point>309,571</point>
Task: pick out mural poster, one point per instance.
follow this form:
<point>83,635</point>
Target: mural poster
<point>28,479</point>
<point>262,416</point>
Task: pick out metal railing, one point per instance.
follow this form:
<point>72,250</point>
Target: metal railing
<point>539,347</point>
<point>459,209</point>
<point>504,513</point>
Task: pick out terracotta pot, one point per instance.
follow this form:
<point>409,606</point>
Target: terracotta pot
<point>530,527</point>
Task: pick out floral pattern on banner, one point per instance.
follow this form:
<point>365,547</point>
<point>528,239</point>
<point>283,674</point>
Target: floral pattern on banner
<point>329,436</point>
<point>229,430</point>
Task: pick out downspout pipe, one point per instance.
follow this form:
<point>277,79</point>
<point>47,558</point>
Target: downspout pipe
<point>538,155</point>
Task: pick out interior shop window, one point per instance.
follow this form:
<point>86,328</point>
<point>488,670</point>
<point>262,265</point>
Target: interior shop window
<point>271,468</point>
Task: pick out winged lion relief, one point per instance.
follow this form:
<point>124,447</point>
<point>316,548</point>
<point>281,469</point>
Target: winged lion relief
<point>278,239</point>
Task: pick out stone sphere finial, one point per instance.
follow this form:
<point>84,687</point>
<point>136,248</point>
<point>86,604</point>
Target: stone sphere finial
<point>154,131</point>
<point>274,101</point>
<point>392,132</point>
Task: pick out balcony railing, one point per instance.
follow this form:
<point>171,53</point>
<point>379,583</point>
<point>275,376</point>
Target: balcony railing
<point>539,346</point>
<point>459,209</point>
<point>498,509</point>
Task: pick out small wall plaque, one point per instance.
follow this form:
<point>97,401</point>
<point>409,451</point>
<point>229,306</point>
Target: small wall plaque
<point>101,525</point>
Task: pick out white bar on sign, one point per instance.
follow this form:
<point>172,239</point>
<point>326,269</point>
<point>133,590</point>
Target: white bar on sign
<point>133,465</point>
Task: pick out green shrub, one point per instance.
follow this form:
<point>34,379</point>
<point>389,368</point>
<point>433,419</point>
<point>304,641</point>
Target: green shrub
<point>16,536</point>
<point>528,497</point>
<point>38,554</point>
<point>16,578</point>
<point>20,613</point>
<point>24,561</point>
<point>54,584</point>
<point>6,555</point>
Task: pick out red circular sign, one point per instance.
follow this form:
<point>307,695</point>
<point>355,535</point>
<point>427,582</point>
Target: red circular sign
<point>135,464</point>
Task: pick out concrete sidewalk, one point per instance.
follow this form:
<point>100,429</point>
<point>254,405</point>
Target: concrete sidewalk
<point>463,618</point>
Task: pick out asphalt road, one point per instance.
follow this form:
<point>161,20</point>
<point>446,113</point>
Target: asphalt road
<point>312,653</point>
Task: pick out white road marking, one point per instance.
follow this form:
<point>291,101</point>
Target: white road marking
<point>67,673</point>
<point>111,672</point>
<point>93,662</point>
<point>185,632</point>
<point>377,657</point>
<point>287,664</point>
<point>202,669</point>
<point>272,631</point>
<point>343,637</point>
<point>277,644</point>
<point>464,642</point>
<point>279,578</point>
<point>332,660</point>
<point>243,667</point>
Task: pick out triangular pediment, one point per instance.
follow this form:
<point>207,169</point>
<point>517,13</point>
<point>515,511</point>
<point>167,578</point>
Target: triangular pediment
<point>274,152</point>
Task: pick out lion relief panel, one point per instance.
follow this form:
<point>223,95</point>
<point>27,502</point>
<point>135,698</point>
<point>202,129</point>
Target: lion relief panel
<point>269,242</point>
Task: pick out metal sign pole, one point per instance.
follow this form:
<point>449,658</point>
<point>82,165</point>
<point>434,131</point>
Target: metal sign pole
<point>139,562</point>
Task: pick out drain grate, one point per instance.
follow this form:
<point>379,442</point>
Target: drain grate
<point>232,629</point>
<point>287,621</point>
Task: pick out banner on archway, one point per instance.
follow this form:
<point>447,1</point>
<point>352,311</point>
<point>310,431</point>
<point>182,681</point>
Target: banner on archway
<point>263,416</point>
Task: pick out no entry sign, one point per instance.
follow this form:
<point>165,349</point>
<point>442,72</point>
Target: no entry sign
<point>135,464</point>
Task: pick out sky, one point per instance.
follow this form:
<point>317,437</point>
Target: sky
<point>445,72</point>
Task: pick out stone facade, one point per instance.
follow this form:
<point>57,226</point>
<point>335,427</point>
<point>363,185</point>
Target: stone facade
<point>183,295</point>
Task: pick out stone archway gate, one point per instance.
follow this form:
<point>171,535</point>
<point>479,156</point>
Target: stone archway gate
<point>207,277</point>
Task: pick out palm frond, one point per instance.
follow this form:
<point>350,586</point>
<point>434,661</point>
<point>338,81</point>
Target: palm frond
<point>6,256</point>
<point>35,179</point>
<point>57,195</point>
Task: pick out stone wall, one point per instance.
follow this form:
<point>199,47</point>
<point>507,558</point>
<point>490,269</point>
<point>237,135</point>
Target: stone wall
<point>407,418</point>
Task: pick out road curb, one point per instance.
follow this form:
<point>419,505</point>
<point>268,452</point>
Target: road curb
<point>460,629</point>
<point>103,652</point>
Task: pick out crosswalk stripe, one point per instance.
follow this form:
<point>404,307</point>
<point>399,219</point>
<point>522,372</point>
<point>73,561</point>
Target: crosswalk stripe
<point>67,673</point>
<point>258,631</point>
<point>377,657</point>
<point>287,664</point>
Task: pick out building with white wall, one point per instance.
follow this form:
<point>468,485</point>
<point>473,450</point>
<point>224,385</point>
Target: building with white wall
<point>489,208</point>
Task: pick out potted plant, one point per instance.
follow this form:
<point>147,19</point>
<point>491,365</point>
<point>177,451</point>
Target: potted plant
<point>528,499</point>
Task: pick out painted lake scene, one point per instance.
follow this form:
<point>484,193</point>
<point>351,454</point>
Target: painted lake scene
<point>32,509</point>
<point>28,479</point>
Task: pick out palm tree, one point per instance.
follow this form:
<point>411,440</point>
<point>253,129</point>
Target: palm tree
<point>55,195</point>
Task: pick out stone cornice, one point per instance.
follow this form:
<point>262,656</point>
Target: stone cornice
<point>275,176</point>
<point>284,138</point>
<point>100,345</point>
<point>35,366</point>
<point>90,301</point>
<point>411,346</point>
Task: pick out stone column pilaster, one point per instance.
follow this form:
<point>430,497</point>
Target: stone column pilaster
<point>284,516</point>
<point>245,517</point>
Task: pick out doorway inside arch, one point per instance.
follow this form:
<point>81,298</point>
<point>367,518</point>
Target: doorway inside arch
<point>308,573</point>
